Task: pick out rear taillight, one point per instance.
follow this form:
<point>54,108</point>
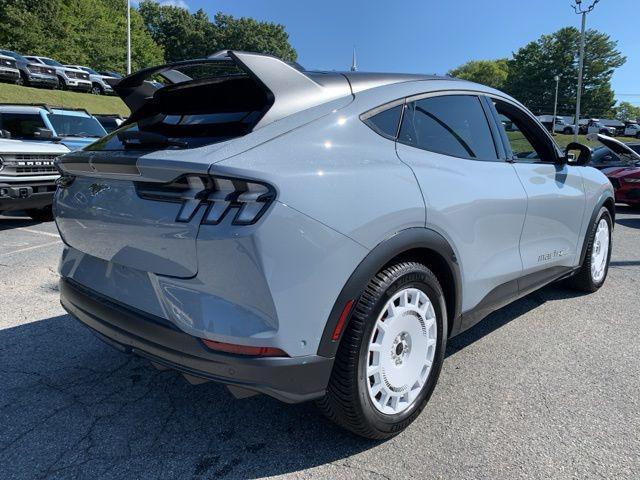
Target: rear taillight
<point>246,200</point>
<point>244,349</point>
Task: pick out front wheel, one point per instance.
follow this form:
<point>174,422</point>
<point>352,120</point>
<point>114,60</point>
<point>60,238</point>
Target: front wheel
<point>390,355</point>
<point>595,266</point>
<point>97,90</point>
<point>568,131</point>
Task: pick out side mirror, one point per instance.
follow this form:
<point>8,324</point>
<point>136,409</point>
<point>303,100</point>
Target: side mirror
<point>584,154</point>
<point>43,133</point>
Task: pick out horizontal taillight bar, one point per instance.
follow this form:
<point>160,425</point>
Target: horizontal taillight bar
<point>244,349</point>
<point>249,199</point>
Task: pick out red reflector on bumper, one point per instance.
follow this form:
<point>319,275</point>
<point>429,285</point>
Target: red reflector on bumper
<point>244,349</point>
<point>341,321</point>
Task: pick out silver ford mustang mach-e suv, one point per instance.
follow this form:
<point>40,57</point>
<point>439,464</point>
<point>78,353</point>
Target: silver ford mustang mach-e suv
<point>319,235</point>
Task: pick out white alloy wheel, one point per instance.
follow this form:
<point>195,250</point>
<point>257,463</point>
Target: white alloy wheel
<point>401,351</point>
<point>600,251</point>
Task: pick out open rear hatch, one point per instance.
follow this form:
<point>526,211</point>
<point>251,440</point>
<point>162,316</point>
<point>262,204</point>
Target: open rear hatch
<point>103,207</point>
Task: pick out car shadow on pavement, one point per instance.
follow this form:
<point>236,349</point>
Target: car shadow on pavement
<point>506,314</point>
<point>73,407</point>
<point>629,222</point>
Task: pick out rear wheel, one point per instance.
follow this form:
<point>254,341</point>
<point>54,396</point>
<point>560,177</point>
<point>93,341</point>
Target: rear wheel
<point>568,131</point>
<point>595,267</point>
<point>41,214</point>
<point>391,353</point>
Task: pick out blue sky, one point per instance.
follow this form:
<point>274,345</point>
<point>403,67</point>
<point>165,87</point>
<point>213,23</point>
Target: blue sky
<point>432,36</point>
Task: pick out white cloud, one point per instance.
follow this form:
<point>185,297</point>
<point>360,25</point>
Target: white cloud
<point>166,3</point>
<point>174,3</point>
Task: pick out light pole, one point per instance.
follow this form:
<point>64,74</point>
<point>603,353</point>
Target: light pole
<point>580,10</point>
<point>128,37</point>
<point>555,106</point>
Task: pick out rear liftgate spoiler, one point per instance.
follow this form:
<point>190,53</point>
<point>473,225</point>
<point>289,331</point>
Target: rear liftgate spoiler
<point>286,88</point>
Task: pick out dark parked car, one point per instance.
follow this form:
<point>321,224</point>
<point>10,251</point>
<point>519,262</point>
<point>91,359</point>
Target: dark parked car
<point>33,74</point>
<point>110,121</point>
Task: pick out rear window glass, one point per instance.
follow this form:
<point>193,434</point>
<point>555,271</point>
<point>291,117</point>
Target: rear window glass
<point>453,125</point>
<point>198,105</point>
<point>21,125</point>
<point>386,122</point>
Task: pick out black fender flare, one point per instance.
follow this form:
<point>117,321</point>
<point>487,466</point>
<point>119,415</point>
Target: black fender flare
<point>376,259</point>
<point>604,198</point>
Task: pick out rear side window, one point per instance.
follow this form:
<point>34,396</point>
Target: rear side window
<point>386,122</point>
<point>21,125</point>
<point>453,125</point>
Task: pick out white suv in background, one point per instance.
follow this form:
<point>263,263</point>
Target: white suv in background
<point>99,85</point>
<point>632,130</point>
<point>28,176</point>
<point>69,78</point>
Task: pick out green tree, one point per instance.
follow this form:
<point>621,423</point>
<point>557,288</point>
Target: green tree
<point>533,68</point>
<point>492,73</point>
<point>184,35</point>
<point>627,111</point>
<point>86,32</point>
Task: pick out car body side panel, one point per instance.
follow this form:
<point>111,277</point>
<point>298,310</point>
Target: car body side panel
<point>479,207</point>
<point>555,212</point>
<point>338,171</point>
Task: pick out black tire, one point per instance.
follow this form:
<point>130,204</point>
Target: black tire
<point>583,279</point>
<point>97,89</point>
<point>347,400</point>
<point>41,214</point>
<point>23,80</point>
<point>568,131</point>
<point>61,84</point>
<point>638,135</point>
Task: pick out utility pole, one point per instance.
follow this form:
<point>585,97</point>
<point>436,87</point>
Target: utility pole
<point>128,37</point>
<point>555,106</point>
<point>580,10</point>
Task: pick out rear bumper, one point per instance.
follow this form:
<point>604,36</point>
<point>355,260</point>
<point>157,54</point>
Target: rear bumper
<point>291,380</point>
<point>24,196</point>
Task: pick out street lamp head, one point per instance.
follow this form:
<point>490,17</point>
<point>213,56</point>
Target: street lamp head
<point>557,78</point>
<point>586,9</point>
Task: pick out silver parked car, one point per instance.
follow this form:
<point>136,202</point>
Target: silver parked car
<point>99,82</point>
<point>69,78</point>
<point>319,235</point>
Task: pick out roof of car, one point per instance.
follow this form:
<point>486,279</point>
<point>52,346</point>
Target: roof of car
<point>35,108</point>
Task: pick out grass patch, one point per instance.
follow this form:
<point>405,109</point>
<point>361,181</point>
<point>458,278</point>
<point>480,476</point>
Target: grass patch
<point>58,98</point>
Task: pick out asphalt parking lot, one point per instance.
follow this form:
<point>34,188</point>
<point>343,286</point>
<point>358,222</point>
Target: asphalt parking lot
<point>545,388</point>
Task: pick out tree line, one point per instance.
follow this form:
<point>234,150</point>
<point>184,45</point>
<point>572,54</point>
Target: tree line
<point>93,33</point>
<point>529,74</point>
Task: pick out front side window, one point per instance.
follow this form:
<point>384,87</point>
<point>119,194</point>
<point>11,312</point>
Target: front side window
<point>21,125</point>
<point>527,140</point>
<point>453,125</point>
<point>521,148</point>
